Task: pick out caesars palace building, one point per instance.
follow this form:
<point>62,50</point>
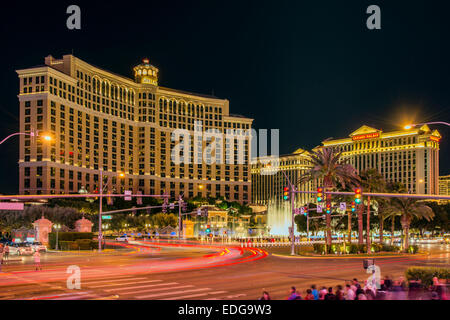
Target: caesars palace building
<point>407,156</point>
<point>99,120</point>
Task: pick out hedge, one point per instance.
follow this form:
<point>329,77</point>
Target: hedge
<point>80,244</point>
<point>426,274</point>
<point>68,236</point>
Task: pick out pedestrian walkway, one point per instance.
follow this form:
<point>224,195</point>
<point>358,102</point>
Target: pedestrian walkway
<point>151,289</point>
<point>123,288</point>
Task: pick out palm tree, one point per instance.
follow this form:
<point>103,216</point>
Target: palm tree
<point>371,181</point>
<point>407,209</point>
<point>383,214</point>
<point>329,167</point>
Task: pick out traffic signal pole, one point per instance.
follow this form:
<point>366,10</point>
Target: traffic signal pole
<point>292,194</point>
<point>180,201</point>
<point>100,200</point>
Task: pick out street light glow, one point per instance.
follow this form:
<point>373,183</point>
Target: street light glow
<point>407,127</point>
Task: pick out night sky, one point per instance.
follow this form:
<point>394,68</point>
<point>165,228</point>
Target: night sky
<point>309,68</point>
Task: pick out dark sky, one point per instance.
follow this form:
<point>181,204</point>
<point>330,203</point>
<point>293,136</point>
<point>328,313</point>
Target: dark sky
<point>309,68</point>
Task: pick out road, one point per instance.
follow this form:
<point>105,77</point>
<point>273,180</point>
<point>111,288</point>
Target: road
<point>149,270</point>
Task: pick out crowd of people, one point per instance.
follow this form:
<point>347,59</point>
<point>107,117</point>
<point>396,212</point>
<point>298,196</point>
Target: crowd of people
<point>388,290</point>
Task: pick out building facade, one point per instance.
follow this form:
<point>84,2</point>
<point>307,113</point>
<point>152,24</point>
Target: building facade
<point>269,178</point>
<point>407,156</point>
<point>103,121</point>
<point>444,185</point>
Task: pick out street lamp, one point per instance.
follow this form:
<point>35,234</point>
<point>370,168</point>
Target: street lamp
<point>32,134</point>
<point>410,126</point>
<point>57,227</point>
<point>100,236</point>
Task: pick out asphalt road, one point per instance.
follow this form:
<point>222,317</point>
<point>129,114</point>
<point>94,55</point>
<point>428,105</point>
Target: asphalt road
<point>196,272</point>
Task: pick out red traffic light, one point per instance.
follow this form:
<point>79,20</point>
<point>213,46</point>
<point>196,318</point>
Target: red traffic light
<point>357,195</point>
<point>286,193</point>
<point>319,194</point>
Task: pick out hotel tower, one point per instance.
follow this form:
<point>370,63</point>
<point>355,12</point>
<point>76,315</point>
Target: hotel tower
<point>99,120</point>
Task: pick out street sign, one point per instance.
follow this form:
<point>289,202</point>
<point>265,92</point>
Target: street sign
<point>172,206</point>
<point>11,206</point>
<point>199,212</point>
<point>127,195</point>
<point>302,210</point>
<point>343,206</point>
<point>106,217</point>
<point>319,209</point>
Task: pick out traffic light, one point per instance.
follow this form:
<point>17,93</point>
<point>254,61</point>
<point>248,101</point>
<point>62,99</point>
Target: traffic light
<point>357,195</point>
<point>286,193</point>
<point>319,194</point>
<point>328,207</point>
<point>184,206</point>
<point>208,229</point>
<point>353,206</point>
<point>305,210</point>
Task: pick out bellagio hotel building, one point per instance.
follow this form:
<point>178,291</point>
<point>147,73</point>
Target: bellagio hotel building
<point>103,121</point>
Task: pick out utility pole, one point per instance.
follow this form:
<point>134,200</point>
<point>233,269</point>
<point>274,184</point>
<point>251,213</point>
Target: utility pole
<point>292,194</point>
<point>100,200</point>
<point>180,226</point>
<point>307,227</point>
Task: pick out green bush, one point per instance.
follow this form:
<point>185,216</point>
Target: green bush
<point>426,274</point>
<point>352,248</point>
<point>389,248</point>
<point>84,244</point>
<point>67,245</point>
<point>68,236</point>
<point>413,249</point>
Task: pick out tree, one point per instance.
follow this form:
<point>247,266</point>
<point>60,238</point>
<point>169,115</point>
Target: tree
<point>165,219</point>
<point>371,181</point>
<point>408,209</point>
<point>328,166</point>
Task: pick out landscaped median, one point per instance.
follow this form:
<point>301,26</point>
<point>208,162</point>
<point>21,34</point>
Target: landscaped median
<point>339,250</point>
<point>426,274</point>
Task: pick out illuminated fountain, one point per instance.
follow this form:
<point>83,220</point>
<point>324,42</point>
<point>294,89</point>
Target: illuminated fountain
<point>279,218</point>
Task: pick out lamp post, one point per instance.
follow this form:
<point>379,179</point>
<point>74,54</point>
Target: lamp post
<point>409,126</point>
<point>57,227</point>
<point>32,134</point>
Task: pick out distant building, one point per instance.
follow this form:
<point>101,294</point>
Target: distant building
<point>407,156</point>
<point>444,185</point>
<point>269,177</point>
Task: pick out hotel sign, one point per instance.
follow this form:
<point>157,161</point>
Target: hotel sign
<point>366,136</point>
<point>433,138</point>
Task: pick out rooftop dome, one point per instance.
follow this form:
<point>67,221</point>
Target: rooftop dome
<point>146,73</point>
